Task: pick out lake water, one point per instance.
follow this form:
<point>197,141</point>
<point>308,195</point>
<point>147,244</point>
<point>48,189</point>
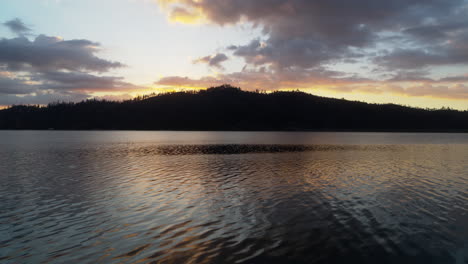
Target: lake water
<point>233,197</point>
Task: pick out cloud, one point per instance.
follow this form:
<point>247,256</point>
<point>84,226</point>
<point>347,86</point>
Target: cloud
<point>410,76</point>
<point>306,33</point>
<point>461,78</point>
<point>421,76</point>
<point>13,85</point>
<point>84,82</point>
<point>17,26</point>
<point>437,41</point>
<point>50,68</point>
<point>438,32</point>
<point>265,78</point>
<point>452,53</point>
<point>62,86</point>
<point>47,53</point>
<point>213,60</point>
<point>183,15</point>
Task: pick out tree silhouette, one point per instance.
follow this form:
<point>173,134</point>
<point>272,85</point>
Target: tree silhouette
<point>229,108</point>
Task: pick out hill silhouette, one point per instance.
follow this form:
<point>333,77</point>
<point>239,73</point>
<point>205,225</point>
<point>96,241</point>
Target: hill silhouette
<point>229,108</point>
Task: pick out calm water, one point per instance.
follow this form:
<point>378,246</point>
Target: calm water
<point>233,197</point>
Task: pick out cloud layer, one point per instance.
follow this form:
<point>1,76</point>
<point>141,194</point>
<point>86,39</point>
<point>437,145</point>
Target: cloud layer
<point>46,53</point>
<point>49,68</point>
<point>302,38</point>
<point>17,26</point>
<point>307,33</point>
<point>213,60</point>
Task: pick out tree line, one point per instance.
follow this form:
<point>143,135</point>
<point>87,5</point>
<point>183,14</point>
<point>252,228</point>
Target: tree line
<point>230,108</point>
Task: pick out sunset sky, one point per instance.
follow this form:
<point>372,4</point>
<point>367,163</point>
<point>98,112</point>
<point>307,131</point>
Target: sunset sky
<point>410,52</point>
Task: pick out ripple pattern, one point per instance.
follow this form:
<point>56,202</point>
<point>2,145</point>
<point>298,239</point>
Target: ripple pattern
<point>147,202</point>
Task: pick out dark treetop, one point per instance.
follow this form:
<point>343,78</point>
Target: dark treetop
<point>230,108</point>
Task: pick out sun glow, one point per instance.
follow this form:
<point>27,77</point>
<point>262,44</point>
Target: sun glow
<point>180,13</point>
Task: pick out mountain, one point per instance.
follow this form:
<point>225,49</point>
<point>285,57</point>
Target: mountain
<point>229,108</point>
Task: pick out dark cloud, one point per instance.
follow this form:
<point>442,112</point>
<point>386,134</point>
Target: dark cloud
<point>63,86</point>
<point>304,53</point>
<point>421,76</point>
<point>410,76</point>
<point>17,26</point>
<point>307,34</point>
<point>213,60</point>
<point>77,81</point>
<point>50,69</point>
<point>51,54</point>
<point>462,78</point>
<point>453,52</point>
<point>437,32</point>
<point>15,86</point>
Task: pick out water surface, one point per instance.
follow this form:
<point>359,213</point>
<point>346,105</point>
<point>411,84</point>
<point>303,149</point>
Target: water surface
<point>233,197</point>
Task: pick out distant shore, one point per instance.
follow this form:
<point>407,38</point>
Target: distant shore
<point>228,108</point>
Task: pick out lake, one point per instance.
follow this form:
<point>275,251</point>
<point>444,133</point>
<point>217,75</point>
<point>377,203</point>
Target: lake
<point>233,197</point>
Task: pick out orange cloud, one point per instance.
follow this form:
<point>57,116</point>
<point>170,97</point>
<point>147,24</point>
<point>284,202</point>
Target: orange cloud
<point>182,11</point>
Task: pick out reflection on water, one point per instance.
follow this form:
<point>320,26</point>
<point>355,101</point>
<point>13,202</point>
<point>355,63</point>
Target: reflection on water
<point>172,197</point>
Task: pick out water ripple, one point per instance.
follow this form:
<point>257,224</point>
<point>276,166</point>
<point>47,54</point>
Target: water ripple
<point>147,202</point>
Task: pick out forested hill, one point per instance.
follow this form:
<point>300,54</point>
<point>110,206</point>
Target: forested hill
<point>229,108</point>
